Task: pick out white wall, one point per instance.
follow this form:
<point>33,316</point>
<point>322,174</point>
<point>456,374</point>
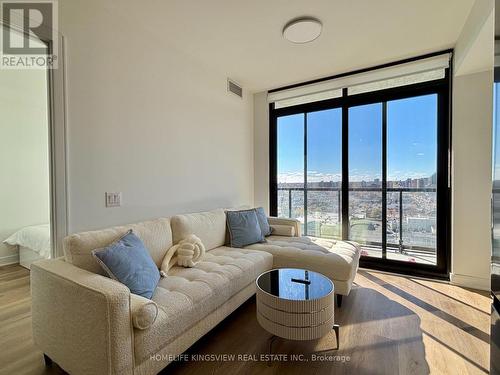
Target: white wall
<point>471,176</point>
<point>24,165</point>
<point>471,149</point>
<point>261,150</point>
<point>147,120</point>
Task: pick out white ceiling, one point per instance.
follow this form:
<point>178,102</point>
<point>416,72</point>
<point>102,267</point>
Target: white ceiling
<point>242,38</point>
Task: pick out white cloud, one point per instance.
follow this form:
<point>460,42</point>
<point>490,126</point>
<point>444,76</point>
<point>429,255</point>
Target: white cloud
<point>312,176</point>
<point>315,176</point>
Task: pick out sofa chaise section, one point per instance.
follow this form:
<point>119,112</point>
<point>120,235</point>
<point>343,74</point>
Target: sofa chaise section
<point>338,260</point>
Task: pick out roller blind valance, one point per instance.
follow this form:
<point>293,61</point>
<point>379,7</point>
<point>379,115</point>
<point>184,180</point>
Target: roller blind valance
<point>422,70</point>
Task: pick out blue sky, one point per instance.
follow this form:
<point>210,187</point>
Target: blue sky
<point>411,142</point>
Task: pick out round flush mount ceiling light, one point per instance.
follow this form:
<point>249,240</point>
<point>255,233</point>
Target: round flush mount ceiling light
<point>302,30</point>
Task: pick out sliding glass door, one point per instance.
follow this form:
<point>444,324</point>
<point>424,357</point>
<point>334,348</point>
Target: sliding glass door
<point>291,176</point>
<point>370,168</point>
<point>392,178</point>
<point>365,177</point>
<point>324,173</point>
<point>309,167</point>
<point>412,131</point>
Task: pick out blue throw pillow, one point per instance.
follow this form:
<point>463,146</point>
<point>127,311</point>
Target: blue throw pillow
<point>244,228</point>
<point>265,228</point>
<point>128,261</point>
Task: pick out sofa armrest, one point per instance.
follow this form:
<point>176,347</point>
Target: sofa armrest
<point>81,320</point>
<point>281,221</point>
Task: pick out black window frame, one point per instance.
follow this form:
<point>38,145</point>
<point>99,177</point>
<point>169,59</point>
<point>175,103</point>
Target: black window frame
<point>441,87</point>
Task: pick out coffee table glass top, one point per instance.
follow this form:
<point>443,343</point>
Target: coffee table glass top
<point>295,284</point>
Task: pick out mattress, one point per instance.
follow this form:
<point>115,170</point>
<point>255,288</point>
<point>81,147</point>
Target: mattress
<point>27,256</point>
<point>35,238</point>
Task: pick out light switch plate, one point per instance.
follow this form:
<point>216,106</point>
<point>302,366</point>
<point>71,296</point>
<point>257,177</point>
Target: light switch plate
<point>113,199</point>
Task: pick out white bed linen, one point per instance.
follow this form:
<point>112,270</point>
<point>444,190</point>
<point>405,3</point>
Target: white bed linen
<point>35,237</point>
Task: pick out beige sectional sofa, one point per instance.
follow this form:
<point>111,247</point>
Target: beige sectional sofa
<point>90,324</point>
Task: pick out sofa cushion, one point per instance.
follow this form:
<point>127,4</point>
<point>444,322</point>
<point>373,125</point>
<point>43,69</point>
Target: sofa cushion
<point>156,235</point>
<point>244,228</point>
<point>187,295</point>
<point>337,260</point>
<point>128,261</point>
<point>283,230</point>
<point>209,226</point>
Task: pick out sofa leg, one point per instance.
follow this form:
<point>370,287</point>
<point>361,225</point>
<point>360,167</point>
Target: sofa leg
<point>48,361</point>
<point>339,300</point>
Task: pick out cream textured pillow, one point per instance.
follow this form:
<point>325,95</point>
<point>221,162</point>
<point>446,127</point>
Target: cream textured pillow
<point>144,311</point>
<point>283,230</point>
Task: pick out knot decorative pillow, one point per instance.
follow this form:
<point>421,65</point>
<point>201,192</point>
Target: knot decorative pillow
<point>186,254</point>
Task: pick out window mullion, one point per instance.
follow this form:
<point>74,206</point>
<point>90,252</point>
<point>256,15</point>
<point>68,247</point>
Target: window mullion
<point>345,169</point>
<point>384,180</point>
<point>305,174</point>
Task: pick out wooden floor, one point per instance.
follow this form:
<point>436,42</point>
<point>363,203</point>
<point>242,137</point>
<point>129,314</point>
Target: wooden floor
<point>389,325</point>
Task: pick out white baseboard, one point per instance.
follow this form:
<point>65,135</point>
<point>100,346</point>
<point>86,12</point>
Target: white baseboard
<point>9,259</point>
<point>470,281</point>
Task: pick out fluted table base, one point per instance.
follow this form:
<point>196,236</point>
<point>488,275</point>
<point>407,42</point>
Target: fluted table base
<point>296,319</point>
